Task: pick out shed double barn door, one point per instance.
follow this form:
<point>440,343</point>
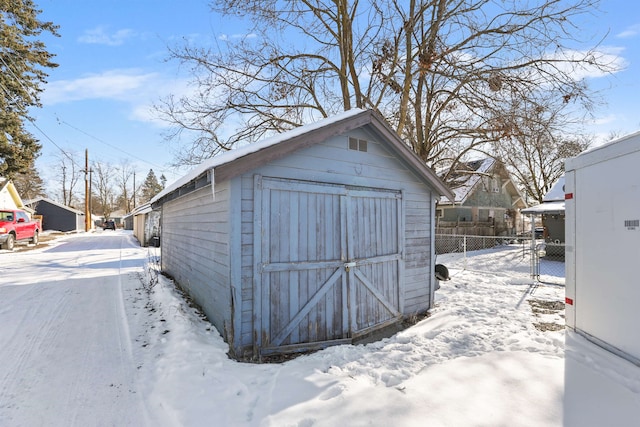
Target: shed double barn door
<point>329,262</point>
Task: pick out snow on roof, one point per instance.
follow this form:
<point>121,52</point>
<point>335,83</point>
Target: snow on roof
<point>553,201</point>
<point>556,207</point>
<point>52,202</point>
<point>469,180</point>
<point>556,192</point>
<point>142,209</point>
<point>236,153</point>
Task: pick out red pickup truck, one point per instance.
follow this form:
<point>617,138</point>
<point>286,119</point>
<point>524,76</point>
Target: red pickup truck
<point>16,225</point>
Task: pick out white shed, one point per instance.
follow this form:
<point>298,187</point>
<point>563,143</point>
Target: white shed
<point>602,204</point>
<point>318,236</point>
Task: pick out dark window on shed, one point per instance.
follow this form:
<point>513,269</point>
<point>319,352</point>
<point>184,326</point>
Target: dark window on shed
<point>357,144</point>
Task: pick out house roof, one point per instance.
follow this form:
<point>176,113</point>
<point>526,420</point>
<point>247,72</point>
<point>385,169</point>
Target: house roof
<point>556,193</point>
<point>32,203</point>
<point>243,159</point>
<point>545,208</point>
<point>7,185</point>
<point>467,176</point>
<point>142,209</point>
<point>552,203</point>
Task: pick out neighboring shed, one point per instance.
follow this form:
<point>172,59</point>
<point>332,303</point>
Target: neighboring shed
<point>318,236</point>
<point>146,225</point>
<point>487,202</point>
<point>603,245</point>
<point>56,216</point>
<point>551,211</point>
<point>127,221</point>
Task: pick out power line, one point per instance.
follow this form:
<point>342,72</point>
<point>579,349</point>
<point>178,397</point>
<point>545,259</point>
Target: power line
<point>59,120</point>
<point>14,100</point>
<point>9,95</point>
<point>19,81</point>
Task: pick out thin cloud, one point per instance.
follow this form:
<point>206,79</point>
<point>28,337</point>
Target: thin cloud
<point>225,37</point>
<point>605,120</point>
<point>113,84</point>
<point>135,88</point>
<point>629,32</point>
<point>99,35</point>
<point>609,58</point>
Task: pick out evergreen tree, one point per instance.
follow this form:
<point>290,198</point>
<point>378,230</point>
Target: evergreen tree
<point>23,59</point>
<point>151,186</point>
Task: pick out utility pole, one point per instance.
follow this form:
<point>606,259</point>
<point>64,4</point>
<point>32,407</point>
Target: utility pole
<point>87,194</point>
<point>134,190</point>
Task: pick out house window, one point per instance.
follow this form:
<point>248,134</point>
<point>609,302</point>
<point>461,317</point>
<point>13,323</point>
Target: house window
<point>491,184</point>
<point>357,144</point>
<point>496,184</point>
<point>439,213</point>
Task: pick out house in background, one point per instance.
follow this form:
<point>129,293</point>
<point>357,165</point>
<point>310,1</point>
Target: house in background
<point>487,202</point>
<point>9,197</point>
<point>319,236</point>
<point>116,216</point>
<point>56,216</point>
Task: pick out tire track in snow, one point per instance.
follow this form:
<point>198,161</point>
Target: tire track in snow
<point>68,358</point>
<point>17,374</point>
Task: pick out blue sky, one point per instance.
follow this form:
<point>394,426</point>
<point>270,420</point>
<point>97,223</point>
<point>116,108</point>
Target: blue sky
<point>112,69</point>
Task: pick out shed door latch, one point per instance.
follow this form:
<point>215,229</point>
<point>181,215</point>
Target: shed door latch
<point>348,265</point>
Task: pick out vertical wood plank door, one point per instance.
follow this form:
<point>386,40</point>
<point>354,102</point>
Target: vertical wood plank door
<point>374,251</point>
<point>308,236</point>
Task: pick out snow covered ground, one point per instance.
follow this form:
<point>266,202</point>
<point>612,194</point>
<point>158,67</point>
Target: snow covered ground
<point>93,336</point>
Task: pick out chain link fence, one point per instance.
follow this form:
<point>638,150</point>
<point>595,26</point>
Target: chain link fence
<point>548,262</point>
<point>519,255</point>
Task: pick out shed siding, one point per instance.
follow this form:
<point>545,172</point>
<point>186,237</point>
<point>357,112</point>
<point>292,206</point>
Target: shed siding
<point>57,218</point>
<point>333,162</point>
<point>195,250</point>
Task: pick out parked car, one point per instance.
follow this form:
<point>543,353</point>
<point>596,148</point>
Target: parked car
<point>109,225</point>
<point>539,233</point>
<point>16,225</point>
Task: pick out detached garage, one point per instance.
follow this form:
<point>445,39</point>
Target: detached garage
<point>603,245</point>
<point>56,216</point>
<point>315,237</point>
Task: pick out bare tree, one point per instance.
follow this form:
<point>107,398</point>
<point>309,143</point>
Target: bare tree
<point>105,198</point>
<point>125,172</point>
<point>531,143</point>
<point>69,173</point>
<point>439,71</point>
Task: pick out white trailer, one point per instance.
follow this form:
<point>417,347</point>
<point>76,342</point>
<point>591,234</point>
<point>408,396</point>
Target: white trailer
<point>602,206</point>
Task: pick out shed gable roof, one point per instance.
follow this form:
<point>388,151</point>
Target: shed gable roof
<point>243,159</point>
<point>32,203</point>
